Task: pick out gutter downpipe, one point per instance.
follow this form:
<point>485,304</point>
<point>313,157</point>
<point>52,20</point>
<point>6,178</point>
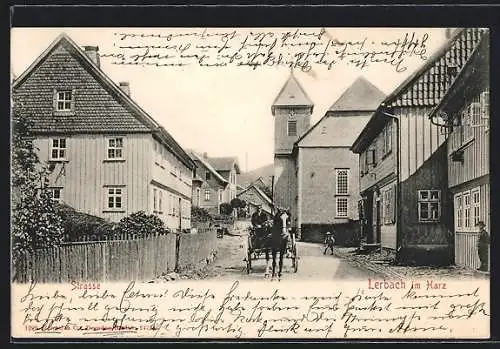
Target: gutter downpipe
<point>398,184</point>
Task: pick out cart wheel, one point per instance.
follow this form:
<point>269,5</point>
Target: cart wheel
<point>249,261</point>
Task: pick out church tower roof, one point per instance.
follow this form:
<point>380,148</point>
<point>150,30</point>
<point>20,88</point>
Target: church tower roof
<point>292,94</point>
<point>362,95</point>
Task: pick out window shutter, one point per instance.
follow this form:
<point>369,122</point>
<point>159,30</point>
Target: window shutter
<point>54,100</point>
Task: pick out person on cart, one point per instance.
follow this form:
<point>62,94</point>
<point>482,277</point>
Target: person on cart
<point>259,220</point>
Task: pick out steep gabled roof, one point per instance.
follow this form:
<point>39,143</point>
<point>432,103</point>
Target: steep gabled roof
<point>362,95</point>
<point>331,131</point>
<point>292,94</point>
<point>208,166</point>
<point>225,163</point>
<point>428,84</point>
<point>145,122</point>
<point>260,192</point>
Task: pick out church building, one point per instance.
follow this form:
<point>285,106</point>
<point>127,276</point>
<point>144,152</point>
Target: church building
<point>315,172</point>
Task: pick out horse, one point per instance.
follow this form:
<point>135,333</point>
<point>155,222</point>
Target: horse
<point>278,242</point>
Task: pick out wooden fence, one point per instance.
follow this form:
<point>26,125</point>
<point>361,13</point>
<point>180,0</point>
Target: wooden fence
<point>116,260</point>
<point>466,250</point>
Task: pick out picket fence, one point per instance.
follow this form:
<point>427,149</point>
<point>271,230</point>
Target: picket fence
<point>138,259</point>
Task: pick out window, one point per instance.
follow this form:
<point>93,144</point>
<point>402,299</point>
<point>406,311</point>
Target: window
<point>467,210</point>
<point>292,128</point>
<point>114,198</point>
<point>172,206</point>
<point>64,101</point>
<point>198,194</point>
<point>207,195</point>
<point>323,130</point>
<point>174,211</point>
<point>58,149</point>
<point>388,198</point>
<point>371,155</point>
<point>160,201</point>
<point>342,206</point>
<point>484,100</point>
<point>55,194</point>
<point>458,211</point>
<point>476,207</point>
<point>469,119</point>
<point>207,176</point>
<point>387,133</point>
<point>155,200</point>
<point>429,205</point>
<point>115,148</point>
<point>342,181</point>
<point>220,195</point>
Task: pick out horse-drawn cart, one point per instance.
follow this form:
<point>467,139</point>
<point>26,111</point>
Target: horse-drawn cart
<point>260,242</point>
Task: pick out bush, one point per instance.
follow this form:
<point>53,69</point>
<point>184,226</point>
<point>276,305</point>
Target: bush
<point>199,214</point>
<point>140,224</point>
<point>82,226</point>
<point>226,209</point>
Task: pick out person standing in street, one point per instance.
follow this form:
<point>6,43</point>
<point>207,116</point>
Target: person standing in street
<point>483,246</point>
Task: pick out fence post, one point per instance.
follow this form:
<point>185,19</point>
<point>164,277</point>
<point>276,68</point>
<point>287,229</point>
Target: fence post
<point>177,251</point>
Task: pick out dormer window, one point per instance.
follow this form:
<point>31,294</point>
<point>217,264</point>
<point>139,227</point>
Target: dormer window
<point>64,100</point>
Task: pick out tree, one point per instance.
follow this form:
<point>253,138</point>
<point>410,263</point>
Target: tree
<point>225,208</point>
<point>235,203</point>
<point>141,224</point>
<point>35,221</point>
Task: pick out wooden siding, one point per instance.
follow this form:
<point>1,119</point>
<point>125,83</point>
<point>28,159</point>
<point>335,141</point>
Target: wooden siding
<point>253,197</point>
<point>419,139</point>
<point>87,172</point>
<point>466,240</point>
<point>431,176</point>
<point>318,184</point>
<point>385,165</point>
<point>476,155</point>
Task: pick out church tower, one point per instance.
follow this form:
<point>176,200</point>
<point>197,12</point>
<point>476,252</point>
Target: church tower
<point>292,110</point>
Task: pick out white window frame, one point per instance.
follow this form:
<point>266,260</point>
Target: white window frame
<point>155,200</point>
<point>476,205</point>
<point>459,213</point>
<point>220,195</point>
<point>117,196</point>
<point>160,201</point>
<point>60,97</point>
<point>207,194</point>
<point>53,191</point>
<point>466,197</point>
<point>288,128</point>
<point>469,118</point>
<point>61,152</point>
<point>337,178</point>
<point>429,201</point>
<point>341,214</point>
<point>115,148</point>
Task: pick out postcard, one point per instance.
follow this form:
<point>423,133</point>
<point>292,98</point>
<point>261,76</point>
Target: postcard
<point>240,183</point>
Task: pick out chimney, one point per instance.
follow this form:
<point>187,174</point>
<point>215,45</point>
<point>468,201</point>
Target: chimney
<point>92,52</point>
<point>205,155</point>
<point>125,87</point>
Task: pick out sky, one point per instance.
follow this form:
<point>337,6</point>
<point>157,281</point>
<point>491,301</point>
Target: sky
<point>224,111</point>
